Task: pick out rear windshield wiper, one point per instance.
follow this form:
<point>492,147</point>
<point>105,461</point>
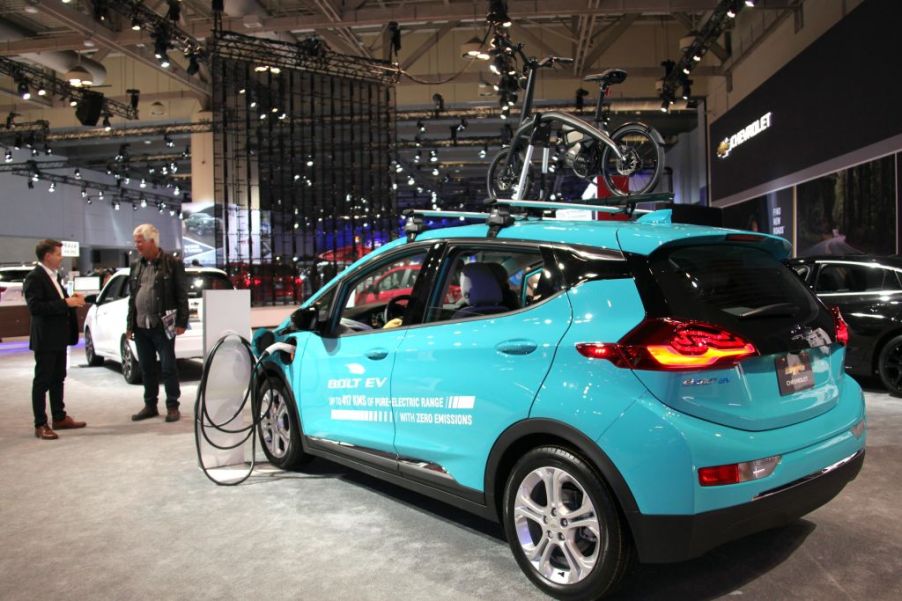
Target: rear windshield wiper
<point>774,310</point>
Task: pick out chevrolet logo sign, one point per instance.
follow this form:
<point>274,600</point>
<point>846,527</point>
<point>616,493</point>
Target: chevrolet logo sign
<point>791,370</point>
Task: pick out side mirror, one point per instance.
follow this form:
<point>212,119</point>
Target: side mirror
<point>91,299</point>
<point>305,319</point>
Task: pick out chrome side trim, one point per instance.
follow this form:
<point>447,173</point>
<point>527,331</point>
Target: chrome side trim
<point>426,468</point>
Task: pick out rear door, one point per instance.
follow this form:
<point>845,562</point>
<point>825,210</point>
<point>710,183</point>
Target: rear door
<point>744,292</point>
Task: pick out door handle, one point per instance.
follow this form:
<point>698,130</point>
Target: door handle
<point>516,347</point>
<point>376,354</point>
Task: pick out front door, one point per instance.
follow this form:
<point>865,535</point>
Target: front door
<point>345,375</point>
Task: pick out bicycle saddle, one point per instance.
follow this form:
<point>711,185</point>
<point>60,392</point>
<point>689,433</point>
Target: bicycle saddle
<point>609,77</point>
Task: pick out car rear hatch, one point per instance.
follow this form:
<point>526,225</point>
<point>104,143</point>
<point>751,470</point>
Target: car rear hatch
<point>731,335</point>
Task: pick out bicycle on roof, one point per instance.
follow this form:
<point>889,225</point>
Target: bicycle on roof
<point>629,160</point>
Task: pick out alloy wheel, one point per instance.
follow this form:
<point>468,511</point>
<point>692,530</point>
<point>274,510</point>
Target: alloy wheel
<point>275,423</point>
<point>557,525</point>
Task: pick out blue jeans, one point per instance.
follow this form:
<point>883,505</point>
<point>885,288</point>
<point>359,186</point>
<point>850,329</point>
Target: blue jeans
<point>150,343</point>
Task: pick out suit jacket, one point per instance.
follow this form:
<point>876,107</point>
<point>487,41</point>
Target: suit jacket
<point>53,324</point>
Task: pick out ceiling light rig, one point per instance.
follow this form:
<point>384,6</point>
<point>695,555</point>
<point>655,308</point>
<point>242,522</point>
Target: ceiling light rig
<point>676,73</point>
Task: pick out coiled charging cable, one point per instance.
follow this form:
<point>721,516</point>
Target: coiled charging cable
<point>204,424</point>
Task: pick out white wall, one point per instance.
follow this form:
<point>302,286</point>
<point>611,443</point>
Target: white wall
<point>27,216</point>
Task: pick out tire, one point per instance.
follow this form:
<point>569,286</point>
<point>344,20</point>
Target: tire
<point>889,365</point>
<point>131,369</point>
<point>574,563</point>
<point>91,356</point>
<point>278,427</point>
<point>643,164</point>
<point>501,180</point>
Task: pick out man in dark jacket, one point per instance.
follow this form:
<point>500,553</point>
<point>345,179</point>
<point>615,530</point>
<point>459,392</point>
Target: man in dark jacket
<point>54,325</point>
<point>157,313</point>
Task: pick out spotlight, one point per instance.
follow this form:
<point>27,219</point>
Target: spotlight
<point>47,150</point>
<point>193,65</point>
<point>10,120</point>
<point>750,3</point>
<point>439,102</point>
<point>42,92</point>
<point>133,97</point>
<point>433,156</point>
<point>665,106</point>
<point>9,156</point>
<point>52,187</point>
<point>411,181</point>
<point>115,205</point>
<point>168,141</point>
<point>417,157</point>
<point>175,11</point>
<point>100,194</point>
<point>687,89</point>
<point>143,183</point>
<point>498,13</point>
<point>462,125</point>
<point>435,171</point>
<point>22,89</point>
<point>101,13</point>
<point>134,206</point>
<point>164,61</point>
<point>77,173</point>
<point>581,99</point>
<point>686,70</point>
<point>177,191</point>
<point>484,151</point>
<point>733,10</point>
<point>421,126</point>
<point>471,48</point>
<point>394,31</point>
<point>107,126</point>
<point>136,23</point>
<point>84,191</point>
<point>143,202</point>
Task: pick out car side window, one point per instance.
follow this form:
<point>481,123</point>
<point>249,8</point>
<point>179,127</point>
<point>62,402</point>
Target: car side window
<point>479,282</point>
<point>845,277</point>
<point>114,290</point>
<point>377,297</point>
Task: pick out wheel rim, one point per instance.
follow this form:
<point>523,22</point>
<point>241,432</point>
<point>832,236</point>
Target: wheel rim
<point>557,525</point>
<point>892,368</point>
<point>128,364</point>
<point>275,423</point>
<point>89,347</point>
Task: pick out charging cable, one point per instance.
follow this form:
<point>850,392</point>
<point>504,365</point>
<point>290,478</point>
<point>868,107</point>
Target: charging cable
<point>204,424</point>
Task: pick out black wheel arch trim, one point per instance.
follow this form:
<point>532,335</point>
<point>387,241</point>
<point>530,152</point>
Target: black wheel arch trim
<point>579,443</point>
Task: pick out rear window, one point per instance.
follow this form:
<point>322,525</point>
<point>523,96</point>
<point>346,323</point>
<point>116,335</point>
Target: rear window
<point>739,287</point>
<point>198,282</point>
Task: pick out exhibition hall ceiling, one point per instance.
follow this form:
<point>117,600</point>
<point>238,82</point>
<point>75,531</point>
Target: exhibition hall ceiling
<point>57,36</point>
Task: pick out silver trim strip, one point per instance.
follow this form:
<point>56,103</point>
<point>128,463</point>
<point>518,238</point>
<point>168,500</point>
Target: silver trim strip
<point>810,477</point>
<point>427,467</point>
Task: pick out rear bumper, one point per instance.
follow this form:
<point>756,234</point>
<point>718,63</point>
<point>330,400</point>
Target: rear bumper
<point>670,538</point>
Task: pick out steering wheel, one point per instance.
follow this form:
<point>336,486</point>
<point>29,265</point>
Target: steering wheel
<point>393,307</point>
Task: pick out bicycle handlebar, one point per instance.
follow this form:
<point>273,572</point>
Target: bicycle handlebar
<point>549,61</point>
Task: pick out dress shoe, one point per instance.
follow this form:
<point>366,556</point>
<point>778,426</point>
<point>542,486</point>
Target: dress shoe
<point>45,433</point>
<point>145,413</point>
<point>173,415</point>
<point>67,423</point>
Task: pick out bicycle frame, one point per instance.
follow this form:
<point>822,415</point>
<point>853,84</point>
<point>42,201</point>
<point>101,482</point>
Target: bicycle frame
<point>535,124</point>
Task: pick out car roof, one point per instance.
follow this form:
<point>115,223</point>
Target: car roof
<point>890,261</point>
<point>629,236</point>
<point>189,269</point>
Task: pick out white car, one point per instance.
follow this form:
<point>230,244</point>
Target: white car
<point>105,323</point>
<point>11,279</point>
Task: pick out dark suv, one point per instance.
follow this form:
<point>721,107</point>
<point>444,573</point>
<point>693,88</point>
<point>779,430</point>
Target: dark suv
<point>867,290</point>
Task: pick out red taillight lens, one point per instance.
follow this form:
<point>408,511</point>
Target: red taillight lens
<point>669,344</point>
<point>718,475</point>
<point>842,329</point>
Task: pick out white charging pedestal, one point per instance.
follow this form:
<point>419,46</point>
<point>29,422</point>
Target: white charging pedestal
<point>227,311</point>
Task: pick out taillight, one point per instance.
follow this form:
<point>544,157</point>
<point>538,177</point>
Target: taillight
<point>842,329</point>
<point>737,472</point>
<point>673,345</point>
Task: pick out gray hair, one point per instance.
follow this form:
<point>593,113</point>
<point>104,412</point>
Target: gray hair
<point>148,231</point>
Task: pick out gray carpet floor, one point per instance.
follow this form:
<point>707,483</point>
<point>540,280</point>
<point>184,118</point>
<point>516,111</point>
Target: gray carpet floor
<point>119,510</point>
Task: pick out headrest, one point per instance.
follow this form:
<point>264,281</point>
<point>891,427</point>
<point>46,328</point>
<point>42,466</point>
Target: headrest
<point>479,285</point>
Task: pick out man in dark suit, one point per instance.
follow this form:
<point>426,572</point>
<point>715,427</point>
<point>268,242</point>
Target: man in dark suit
<point>54,325</point>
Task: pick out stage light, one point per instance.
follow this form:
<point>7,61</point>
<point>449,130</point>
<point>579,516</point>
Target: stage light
<point>9,156</point>
<point>22,89</point>
<point>107,126</point>
<point>175,11</point>
<point>193,65</point>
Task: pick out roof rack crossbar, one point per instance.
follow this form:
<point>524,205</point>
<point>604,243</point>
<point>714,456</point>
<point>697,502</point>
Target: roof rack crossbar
<point>553,205</point>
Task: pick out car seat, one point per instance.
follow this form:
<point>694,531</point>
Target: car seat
<point>508,297</point>
<point>481,291</point>
<point>828,281</point>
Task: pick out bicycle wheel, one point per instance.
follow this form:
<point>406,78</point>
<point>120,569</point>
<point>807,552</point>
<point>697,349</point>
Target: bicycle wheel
<point>502,179</point>
<point>642,164</point>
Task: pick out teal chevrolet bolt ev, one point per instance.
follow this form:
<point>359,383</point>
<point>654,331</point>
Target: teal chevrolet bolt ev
<point>610,391</point>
